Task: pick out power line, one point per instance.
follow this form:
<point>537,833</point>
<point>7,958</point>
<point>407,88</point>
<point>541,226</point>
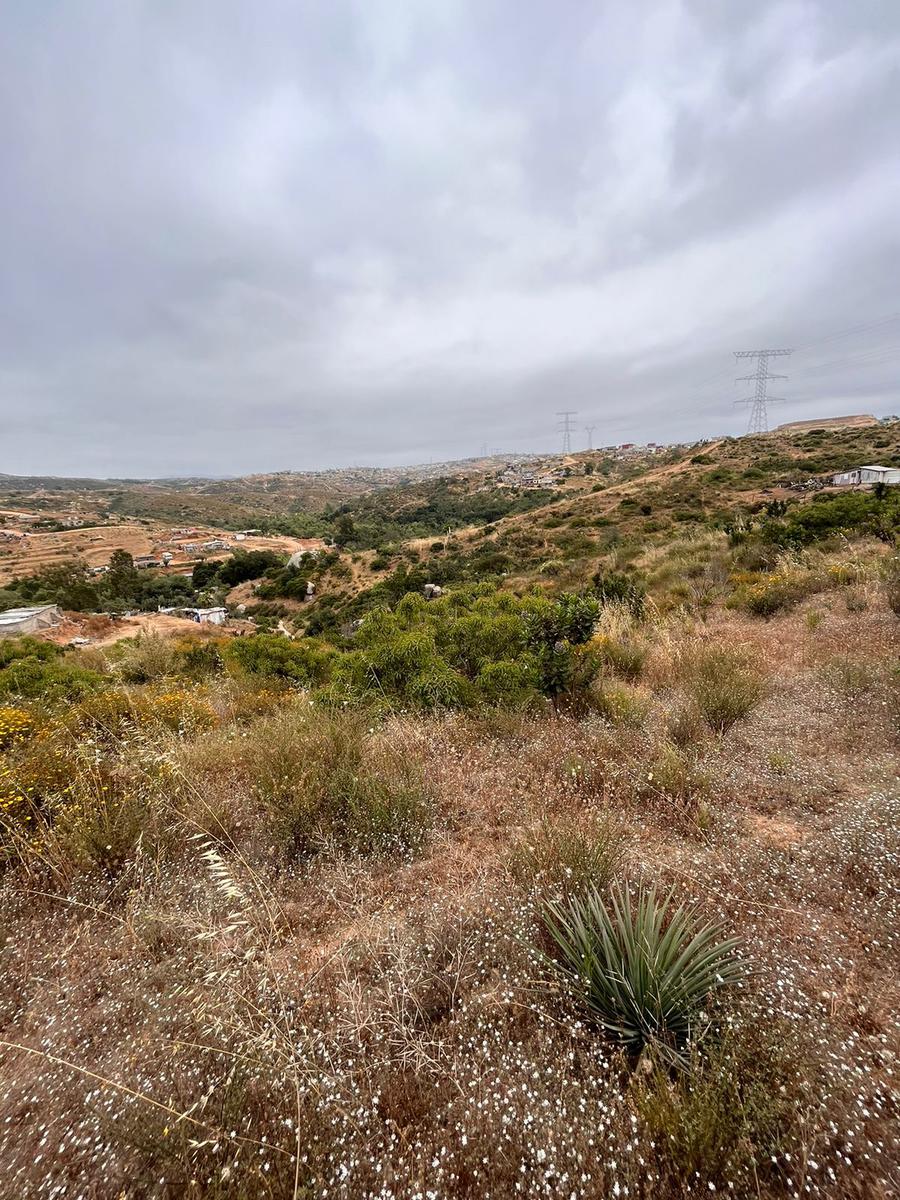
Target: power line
<point>714,376</point>
<point>837,335</point>
<point>759,417</point>
<point>851,331</point>
<point>874,354</point>
<point>565,427</point>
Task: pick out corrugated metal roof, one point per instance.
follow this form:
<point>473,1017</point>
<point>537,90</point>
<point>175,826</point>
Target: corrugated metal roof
<point>13,615</point>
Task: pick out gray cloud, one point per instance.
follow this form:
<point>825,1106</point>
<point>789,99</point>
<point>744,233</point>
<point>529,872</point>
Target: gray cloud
<point>242,238</point>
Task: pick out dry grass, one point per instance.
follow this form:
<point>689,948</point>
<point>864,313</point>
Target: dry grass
<point>196,1004</point>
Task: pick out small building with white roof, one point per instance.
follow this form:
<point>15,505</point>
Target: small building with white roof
<point>18,622</point>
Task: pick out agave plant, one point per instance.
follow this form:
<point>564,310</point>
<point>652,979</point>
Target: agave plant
<point>642,967</point>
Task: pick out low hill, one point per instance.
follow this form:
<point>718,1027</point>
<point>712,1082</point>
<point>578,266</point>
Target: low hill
<point>623,514</point>
<point>229,502</point>
<point>853,422</point>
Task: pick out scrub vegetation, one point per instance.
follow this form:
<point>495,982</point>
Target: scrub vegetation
<point>579,882</point>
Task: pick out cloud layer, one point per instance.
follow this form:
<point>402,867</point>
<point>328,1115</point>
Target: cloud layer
<point>249,237</point>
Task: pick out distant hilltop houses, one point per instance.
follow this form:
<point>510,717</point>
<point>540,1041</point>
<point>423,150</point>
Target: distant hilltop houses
<point>528,478</point>
<point>533,473</point>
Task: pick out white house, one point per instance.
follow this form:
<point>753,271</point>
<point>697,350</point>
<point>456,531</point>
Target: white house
<point>203,616</point>
<point>871,474</point>
<point>208,616</point>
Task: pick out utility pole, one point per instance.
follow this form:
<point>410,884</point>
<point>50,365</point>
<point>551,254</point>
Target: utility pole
<point>565,427</point>
<point>589,430</point>
<point>759,417</point>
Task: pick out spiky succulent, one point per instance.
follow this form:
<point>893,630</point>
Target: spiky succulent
<point>642,966</point>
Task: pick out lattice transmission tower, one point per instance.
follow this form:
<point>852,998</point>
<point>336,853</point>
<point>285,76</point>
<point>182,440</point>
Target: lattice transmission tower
<point>565,427</point>
<point>759,416</point>
<point>589,430</point>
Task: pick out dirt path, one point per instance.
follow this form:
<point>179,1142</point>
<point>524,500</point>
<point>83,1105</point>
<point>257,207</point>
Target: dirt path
<point>84,626</point>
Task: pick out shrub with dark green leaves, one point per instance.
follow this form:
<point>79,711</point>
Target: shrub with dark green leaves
<point>556,634</point>
<point>507,684</point>
<point>642,967</point>
<point>248,564</point>
<point>33,670</point>
<point>611,586</point>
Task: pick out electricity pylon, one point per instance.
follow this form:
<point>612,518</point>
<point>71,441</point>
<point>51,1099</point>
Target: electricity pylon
<point>565,426</point>
<point>759,417</point>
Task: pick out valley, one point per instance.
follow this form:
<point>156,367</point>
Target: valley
<point>287,900</point>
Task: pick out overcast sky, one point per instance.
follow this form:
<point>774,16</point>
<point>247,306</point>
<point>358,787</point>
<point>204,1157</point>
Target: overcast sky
<point>292,234</point>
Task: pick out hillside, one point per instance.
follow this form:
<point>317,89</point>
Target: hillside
<point>580,879</point>
<point>228,503</point>
<point>625,514</point>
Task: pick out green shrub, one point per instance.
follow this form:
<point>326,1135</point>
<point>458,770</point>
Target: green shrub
<point>248,564</point>
<point>847,513</point>
<point>507,684</point>
<point>611,586</point>
<point>556,634</point>
<point>273,656</point>
<point>26,647</point>
<point>32,670</point>
<point>468,647</point>
<point>725,687</point>
<point>438,685</point>
<point>643,968</point>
